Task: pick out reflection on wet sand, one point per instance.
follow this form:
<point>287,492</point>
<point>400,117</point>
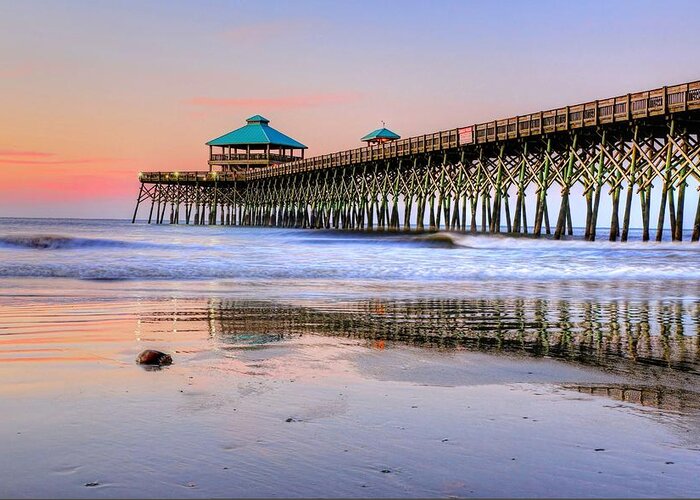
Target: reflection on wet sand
<point>311,397</point>
<point>662,398</point>
<point>622,335</point>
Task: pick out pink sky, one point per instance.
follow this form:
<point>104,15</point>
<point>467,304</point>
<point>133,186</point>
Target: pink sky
<point>93,93</point>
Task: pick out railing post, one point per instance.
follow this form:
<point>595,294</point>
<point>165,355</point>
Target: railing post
<point>138,201</point>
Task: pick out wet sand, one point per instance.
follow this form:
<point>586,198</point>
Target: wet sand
<point>363,398</point>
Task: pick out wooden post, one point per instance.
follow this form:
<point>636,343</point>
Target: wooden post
<point>138,201</point>
<point>589,211</point>
<point>196,203</point>
<point>162,213</point>
<point>542,195</point>
<point>599,185</point>
<point>153,201</point>
<point>509,224</point>
<point>563,210</point>
<point>630,187</point>
<point>441,195</point>
<point>696,226</point>
<point>645,199</point>
<point>476,191</point>
<point>520,201</point>
<point>213,205</point>
<point>615,217</point>
<point>667,184</point>
<point>495,226</point>
<point>678,230</point>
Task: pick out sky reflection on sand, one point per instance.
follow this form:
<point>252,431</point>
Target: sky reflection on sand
<point>451,397</point>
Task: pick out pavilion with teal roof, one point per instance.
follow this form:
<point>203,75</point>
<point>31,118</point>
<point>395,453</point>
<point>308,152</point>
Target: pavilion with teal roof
<point>254,145</point>
<point>379,136</point>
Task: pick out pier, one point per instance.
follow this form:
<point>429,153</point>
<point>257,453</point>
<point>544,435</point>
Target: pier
<point>474,179</point>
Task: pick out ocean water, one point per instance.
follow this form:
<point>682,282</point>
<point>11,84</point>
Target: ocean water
<point>317,363</point>
<point>117,250</point>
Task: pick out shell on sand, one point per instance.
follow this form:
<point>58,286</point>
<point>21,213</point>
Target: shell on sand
<point>153,357</point>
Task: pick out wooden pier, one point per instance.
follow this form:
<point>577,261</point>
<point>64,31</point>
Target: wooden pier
<point>474,178</point>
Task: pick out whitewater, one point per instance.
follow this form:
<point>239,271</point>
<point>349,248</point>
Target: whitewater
<point>117,250</point>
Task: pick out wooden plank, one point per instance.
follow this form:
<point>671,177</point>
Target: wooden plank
<point>549,121</point>
<point>606,111</point>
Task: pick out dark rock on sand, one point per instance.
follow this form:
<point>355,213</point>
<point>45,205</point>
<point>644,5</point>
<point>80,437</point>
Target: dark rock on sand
<point>154,358</point>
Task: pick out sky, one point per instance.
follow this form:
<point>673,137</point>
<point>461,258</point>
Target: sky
<point>93,92</point>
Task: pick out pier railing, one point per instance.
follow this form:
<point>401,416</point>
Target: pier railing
<point>661,101</point>
<point>188,177</point>
<point>253,156</point>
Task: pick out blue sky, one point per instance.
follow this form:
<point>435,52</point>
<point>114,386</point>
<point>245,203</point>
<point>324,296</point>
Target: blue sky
<point>106,89</point>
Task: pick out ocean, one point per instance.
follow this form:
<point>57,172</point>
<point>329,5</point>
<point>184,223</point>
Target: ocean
<point>347,364</point>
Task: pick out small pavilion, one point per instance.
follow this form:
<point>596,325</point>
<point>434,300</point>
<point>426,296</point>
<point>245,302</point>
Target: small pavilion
<point>254,145</point>
<point>379,136</point>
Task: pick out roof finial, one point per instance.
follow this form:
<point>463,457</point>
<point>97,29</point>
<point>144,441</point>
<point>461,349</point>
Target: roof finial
<point>383,124</point>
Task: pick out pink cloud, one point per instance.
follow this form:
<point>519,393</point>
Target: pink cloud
<point>274,103</point>
<point>69,188</point>
<point>79,161</point>
<point>13,153</point>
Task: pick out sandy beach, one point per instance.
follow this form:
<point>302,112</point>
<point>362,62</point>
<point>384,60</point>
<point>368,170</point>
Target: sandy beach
<point>310,364</point>
<point>264,399</point>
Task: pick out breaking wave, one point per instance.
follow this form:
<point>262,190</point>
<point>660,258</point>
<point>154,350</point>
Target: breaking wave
<point>446,239</point>
<point>56,242</point>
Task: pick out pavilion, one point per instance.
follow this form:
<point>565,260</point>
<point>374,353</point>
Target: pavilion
<point>380,136</point>
<point>254,145</point>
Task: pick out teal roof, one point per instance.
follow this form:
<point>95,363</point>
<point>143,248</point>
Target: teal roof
<point>381,133</point>
<point>256,131</point>
<point>257,118</point>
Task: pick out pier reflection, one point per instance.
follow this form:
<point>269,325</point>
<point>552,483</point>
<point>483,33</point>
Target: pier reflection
<point>616,334</point>
<point>662,398</point>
